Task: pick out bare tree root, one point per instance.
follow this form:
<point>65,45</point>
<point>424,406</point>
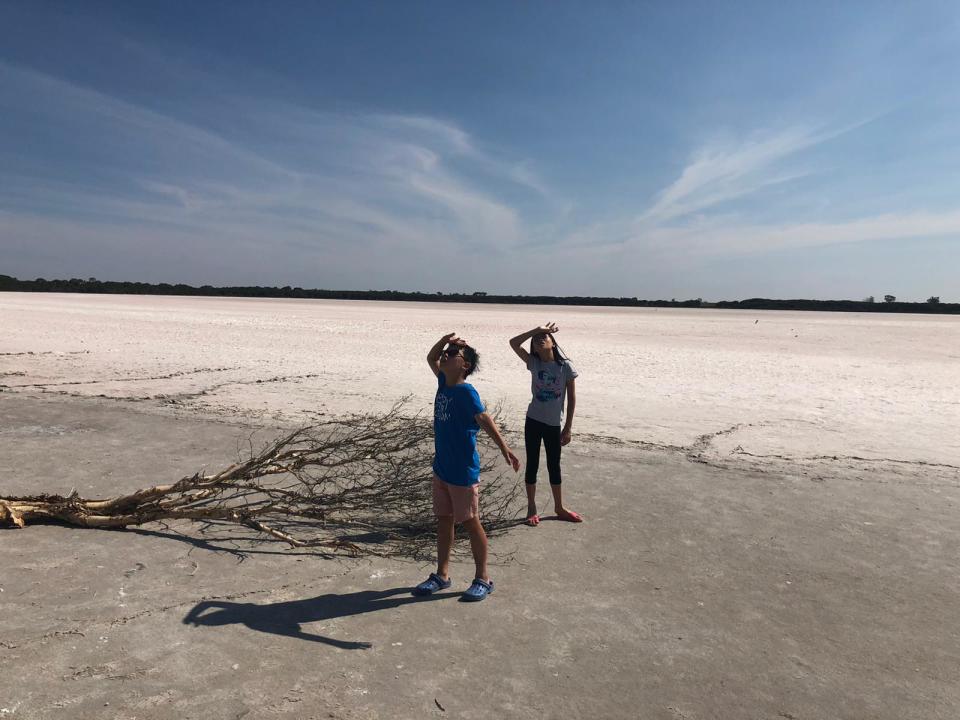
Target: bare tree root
<point>359,485</point>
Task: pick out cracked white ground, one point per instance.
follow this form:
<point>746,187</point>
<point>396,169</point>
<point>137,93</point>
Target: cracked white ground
<point>795,386</point>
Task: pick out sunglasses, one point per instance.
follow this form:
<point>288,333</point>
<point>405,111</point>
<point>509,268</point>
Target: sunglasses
<point>453,352</point>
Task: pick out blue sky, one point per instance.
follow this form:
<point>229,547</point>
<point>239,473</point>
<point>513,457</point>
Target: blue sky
<point>718,150</point>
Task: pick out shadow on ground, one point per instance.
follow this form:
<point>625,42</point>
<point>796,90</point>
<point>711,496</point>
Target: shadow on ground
<point>286,618</point>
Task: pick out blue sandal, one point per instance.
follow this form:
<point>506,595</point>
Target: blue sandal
<point>431,585</point>
<point>478,590</point>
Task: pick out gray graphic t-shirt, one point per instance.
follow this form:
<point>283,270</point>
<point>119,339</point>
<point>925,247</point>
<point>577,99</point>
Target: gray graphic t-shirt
<point>549,387</point>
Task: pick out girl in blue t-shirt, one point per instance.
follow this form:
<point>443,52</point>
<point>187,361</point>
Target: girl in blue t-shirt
<point>458,414</point>
<point>552,381</point>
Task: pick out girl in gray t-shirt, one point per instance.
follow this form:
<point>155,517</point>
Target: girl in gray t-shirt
<point>551,381</point>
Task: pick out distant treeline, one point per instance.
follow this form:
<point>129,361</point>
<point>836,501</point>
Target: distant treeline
<point>92,285</point>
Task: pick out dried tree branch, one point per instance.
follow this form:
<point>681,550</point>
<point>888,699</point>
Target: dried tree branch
<point>359,485</point>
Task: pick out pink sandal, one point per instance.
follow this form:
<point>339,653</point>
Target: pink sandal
<point>569,516</point>
<point>533,520</point>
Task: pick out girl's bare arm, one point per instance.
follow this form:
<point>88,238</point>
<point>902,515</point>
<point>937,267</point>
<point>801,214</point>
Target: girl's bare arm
<point>517,342</point>
<point>490,428</point>
<point>565,435</point>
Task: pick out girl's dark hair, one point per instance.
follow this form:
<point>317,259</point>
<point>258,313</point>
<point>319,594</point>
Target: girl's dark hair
<point>558,354</point>
<point>471,356</point>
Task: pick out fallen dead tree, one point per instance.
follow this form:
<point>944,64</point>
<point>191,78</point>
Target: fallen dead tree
<point>358,485</point>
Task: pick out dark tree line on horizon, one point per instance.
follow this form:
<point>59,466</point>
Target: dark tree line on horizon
<point>110,287</point>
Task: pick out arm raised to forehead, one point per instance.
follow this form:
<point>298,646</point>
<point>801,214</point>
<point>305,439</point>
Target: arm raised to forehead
<point>433,357</point>
<point>517,342</point>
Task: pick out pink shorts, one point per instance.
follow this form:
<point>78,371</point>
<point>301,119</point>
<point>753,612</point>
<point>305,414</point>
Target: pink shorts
<point>463,502</point>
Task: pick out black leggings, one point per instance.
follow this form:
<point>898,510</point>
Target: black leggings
<point>533,432</point>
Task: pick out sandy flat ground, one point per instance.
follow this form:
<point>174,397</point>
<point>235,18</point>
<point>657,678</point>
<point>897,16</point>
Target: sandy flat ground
<point>708,581</point>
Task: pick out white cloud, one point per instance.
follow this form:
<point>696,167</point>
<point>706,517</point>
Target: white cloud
<point>686,216</point>
<point>720,172</point>
<point>284,176</point>
<point>727,235</point>
<point>433,130</point>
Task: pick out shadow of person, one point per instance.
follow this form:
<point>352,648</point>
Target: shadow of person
<point>286,618</point>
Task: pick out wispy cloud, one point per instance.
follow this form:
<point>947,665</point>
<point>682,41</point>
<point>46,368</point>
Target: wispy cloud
<point>691,215</point>
<point>730,235</point>
<point>523,174</point>
<point>723,171</point>
<point>396,186</point>
<point>433,130</point>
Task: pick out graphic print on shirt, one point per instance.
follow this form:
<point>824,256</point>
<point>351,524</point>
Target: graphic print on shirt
<point>441,407</point>
<point>548,386</point>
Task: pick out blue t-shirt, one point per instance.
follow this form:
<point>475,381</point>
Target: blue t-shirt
<point>455,433</point>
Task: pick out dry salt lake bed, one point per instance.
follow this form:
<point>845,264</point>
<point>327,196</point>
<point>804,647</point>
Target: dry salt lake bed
<point>771,503</point>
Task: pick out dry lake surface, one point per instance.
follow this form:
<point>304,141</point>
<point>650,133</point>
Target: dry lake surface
<point>771,503</point>
<point>799,384</point>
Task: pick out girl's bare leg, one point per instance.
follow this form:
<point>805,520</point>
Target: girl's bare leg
<point>478,544</point>
<point>558,507</point>
<point>531,499</point>
<point>562,512</point>
<point>445,530</point>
